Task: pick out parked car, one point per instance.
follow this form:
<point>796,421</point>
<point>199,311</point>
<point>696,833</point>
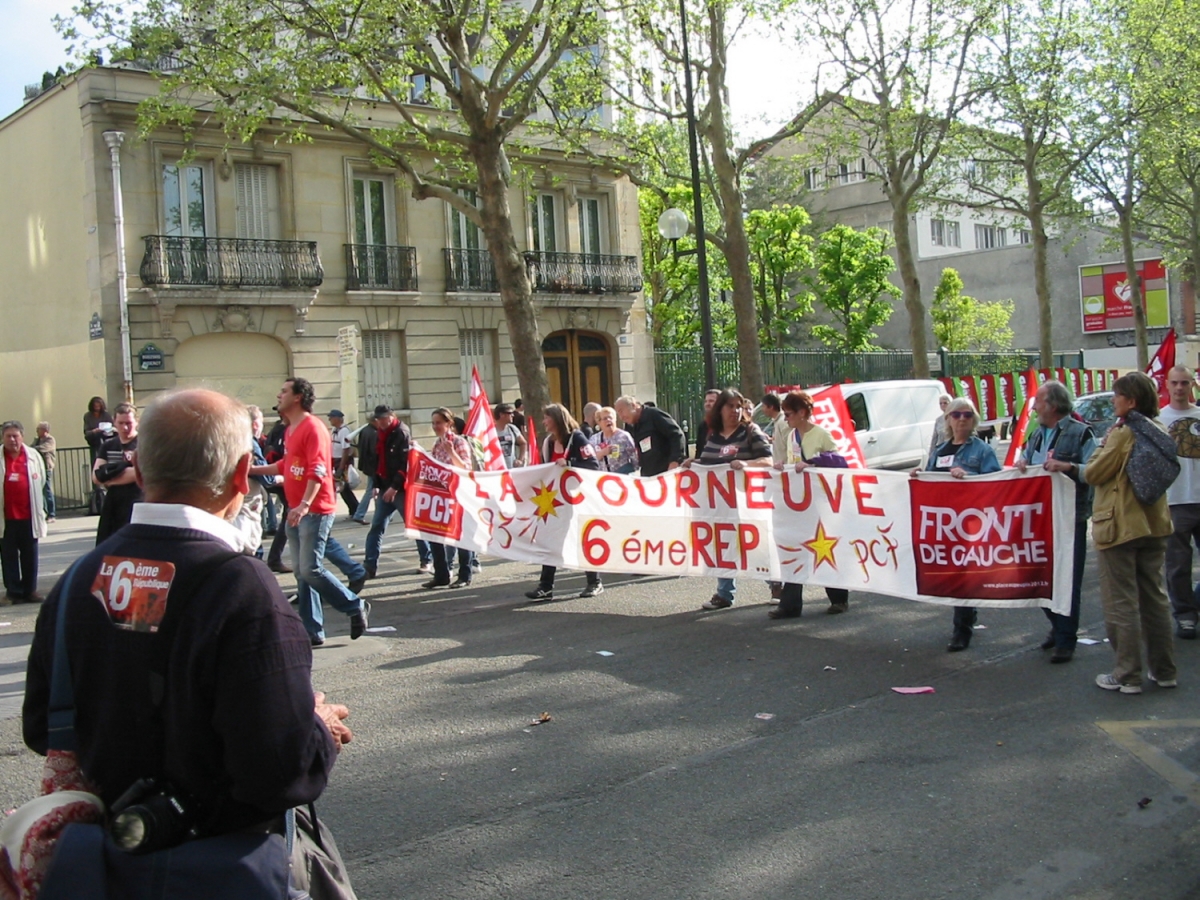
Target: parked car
<point>894,420</point>
<point>1097,410</point>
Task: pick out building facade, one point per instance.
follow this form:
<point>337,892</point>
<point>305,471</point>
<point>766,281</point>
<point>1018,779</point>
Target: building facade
<point>249,264</point>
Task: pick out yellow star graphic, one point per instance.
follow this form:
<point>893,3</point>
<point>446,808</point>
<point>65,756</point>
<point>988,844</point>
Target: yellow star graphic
<point>821,547</point>
<point>545,499</point>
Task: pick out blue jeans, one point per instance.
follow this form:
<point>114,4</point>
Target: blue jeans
<point>337,554</point>
<point>726,587</point>
<point>48,494</point>
<point>379,523</point>
<point>314,583</point>
<point>272,523</point>
<point>424,552</point>
<point>360,514</point>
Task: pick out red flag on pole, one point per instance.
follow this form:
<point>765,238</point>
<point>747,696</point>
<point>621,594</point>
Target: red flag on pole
<point>1018,435</point>
<point>535,452</point>
<point>482,426</point>
<point>1160,364</point>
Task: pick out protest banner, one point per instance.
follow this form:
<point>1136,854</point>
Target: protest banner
<point>1002,540</point>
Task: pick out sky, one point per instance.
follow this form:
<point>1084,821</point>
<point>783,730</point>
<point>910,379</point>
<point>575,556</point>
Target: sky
<point>765,77</point>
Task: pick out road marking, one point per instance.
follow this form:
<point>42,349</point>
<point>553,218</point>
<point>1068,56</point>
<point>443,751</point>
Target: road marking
<point>1178,776</point>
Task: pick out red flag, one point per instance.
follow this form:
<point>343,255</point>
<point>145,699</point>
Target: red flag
<point>1160,364</point>
<point>535,452</point>
<point>1018,435</point>
<point>482,426</point>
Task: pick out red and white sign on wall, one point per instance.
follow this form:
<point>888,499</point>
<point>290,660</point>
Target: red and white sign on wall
<point>1107,297</point>
<point>987,540</point>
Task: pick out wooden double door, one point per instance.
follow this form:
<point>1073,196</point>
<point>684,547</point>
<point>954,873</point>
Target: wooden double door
<point>579,368</point>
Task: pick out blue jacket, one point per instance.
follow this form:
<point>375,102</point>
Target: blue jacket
<point>976,456</point>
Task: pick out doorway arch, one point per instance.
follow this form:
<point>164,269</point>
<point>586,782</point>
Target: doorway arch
<point>579,368</point>
<point>248,366</point>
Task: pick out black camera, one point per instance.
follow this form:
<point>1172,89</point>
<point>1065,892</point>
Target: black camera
<point>151,816</point>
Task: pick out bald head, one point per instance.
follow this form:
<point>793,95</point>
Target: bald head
<point>1179,387</point>
<point>194,448</point>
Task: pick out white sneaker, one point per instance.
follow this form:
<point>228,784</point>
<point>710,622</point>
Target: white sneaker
<point>425,569</point>
<point>1168,683</point>
<point>1109,683</point>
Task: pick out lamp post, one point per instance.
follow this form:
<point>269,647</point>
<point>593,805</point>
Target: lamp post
<point>114,139</point>
<point>676,215</point>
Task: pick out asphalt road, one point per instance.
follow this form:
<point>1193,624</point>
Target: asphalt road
<point>723,755</point>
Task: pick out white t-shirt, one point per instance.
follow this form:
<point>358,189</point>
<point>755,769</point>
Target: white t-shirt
<point>340,439</point>
<point>1185,488</point>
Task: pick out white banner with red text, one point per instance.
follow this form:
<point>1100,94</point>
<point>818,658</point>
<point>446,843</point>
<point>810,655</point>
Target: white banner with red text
<point>1002,540</point>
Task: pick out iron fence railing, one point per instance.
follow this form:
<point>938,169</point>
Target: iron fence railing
<point>229,262</point>
<point>470,270</point>
<point>583,273</point>
<point>1011,361</point>
<point>380,267</point>
<point>72,482</point>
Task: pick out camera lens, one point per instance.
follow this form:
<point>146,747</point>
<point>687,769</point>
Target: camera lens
<point>128,829</point>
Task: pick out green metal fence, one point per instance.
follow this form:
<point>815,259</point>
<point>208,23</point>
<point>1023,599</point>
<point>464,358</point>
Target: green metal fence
<point>680,373</point>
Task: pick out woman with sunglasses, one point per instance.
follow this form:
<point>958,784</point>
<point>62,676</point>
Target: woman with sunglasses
<point>804,441</point>
<point>565,445</point>
<point>962,455</point>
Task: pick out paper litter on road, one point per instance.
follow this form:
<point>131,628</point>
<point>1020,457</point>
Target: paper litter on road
<point>604,653</point>
<point>914,690</point>
<point>1087,641</point>
<point>831,668</point>
<point>5,624</point>
<point>381,629</point>
<point>766,717</point>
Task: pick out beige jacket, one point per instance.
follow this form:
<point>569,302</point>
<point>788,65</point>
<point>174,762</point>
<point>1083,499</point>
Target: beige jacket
<point>37,479</point>
<point>1117,516</point>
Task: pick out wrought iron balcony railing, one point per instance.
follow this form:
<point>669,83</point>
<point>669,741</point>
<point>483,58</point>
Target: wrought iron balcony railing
<point>551,273</point>
<point>583,273</point>
<point>229,263</point>
<point>380,267</point>
<point>470,270</point>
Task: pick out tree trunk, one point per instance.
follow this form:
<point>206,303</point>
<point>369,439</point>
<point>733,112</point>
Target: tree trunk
<point>516,291</point>
<point>737,245</point>
<point>1041,277</point>
<point>911,281</point>
<point>1135,287</point>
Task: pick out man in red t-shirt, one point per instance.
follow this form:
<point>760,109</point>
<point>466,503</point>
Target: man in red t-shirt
<point>307,470</point>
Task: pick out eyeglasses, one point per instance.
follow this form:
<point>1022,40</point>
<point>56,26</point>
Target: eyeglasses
<point>962,414</point>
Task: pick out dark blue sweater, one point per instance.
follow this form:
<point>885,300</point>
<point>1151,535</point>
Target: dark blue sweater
<point>241,736</point>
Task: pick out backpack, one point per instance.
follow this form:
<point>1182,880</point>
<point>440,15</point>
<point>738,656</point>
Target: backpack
<point>1152,464</point>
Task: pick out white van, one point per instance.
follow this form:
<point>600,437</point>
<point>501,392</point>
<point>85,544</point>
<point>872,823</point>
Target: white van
<point>893,420</point>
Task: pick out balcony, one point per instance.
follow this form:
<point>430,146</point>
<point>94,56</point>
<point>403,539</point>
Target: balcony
<point>229,263</point>
<point>583,273</point>
<point>470,270</point>
<point>550,273</point>
<point>379,267</point>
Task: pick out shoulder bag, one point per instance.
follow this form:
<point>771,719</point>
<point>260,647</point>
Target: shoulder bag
<point>1152,465</point>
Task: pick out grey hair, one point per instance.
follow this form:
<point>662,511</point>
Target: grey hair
<point>628,400</point>
<point>1058,397</point>
<point>12,424</point>
<point>192,440</point>
<point>45,425</point>
<point>960,403</point>
<point>254,411</point>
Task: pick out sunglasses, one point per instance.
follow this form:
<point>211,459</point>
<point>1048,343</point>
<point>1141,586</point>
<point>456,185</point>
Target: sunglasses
<point>962,414</point>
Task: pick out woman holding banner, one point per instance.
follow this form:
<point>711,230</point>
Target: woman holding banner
<point>734,440</point>
<point>805,443</point>
<point>962,455</point>
<point>614,446</point>
<point>450,449</point>
<point>565,445</point>
<point>1132,540</point>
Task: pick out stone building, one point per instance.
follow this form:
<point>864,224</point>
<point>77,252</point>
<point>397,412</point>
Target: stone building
<point>248,264</point>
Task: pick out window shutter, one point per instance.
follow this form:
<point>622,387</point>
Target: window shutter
<point>383,370</point>
<point>257,201</point>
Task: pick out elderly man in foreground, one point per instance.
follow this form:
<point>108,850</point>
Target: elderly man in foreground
<point>188,665</point>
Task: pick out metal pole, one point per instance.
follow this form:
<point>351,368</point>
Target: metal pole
<point>706,331</point>
<point>114,139</point>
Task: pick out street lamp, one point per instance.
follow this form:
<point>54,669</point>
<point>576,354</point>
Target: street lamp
<point>677,216</point>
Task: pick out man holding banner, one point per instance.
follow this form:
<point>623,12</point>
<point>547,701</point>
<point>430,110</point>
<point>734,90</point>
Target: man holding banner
<point>1061,443</point>
<point>394,444</point>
